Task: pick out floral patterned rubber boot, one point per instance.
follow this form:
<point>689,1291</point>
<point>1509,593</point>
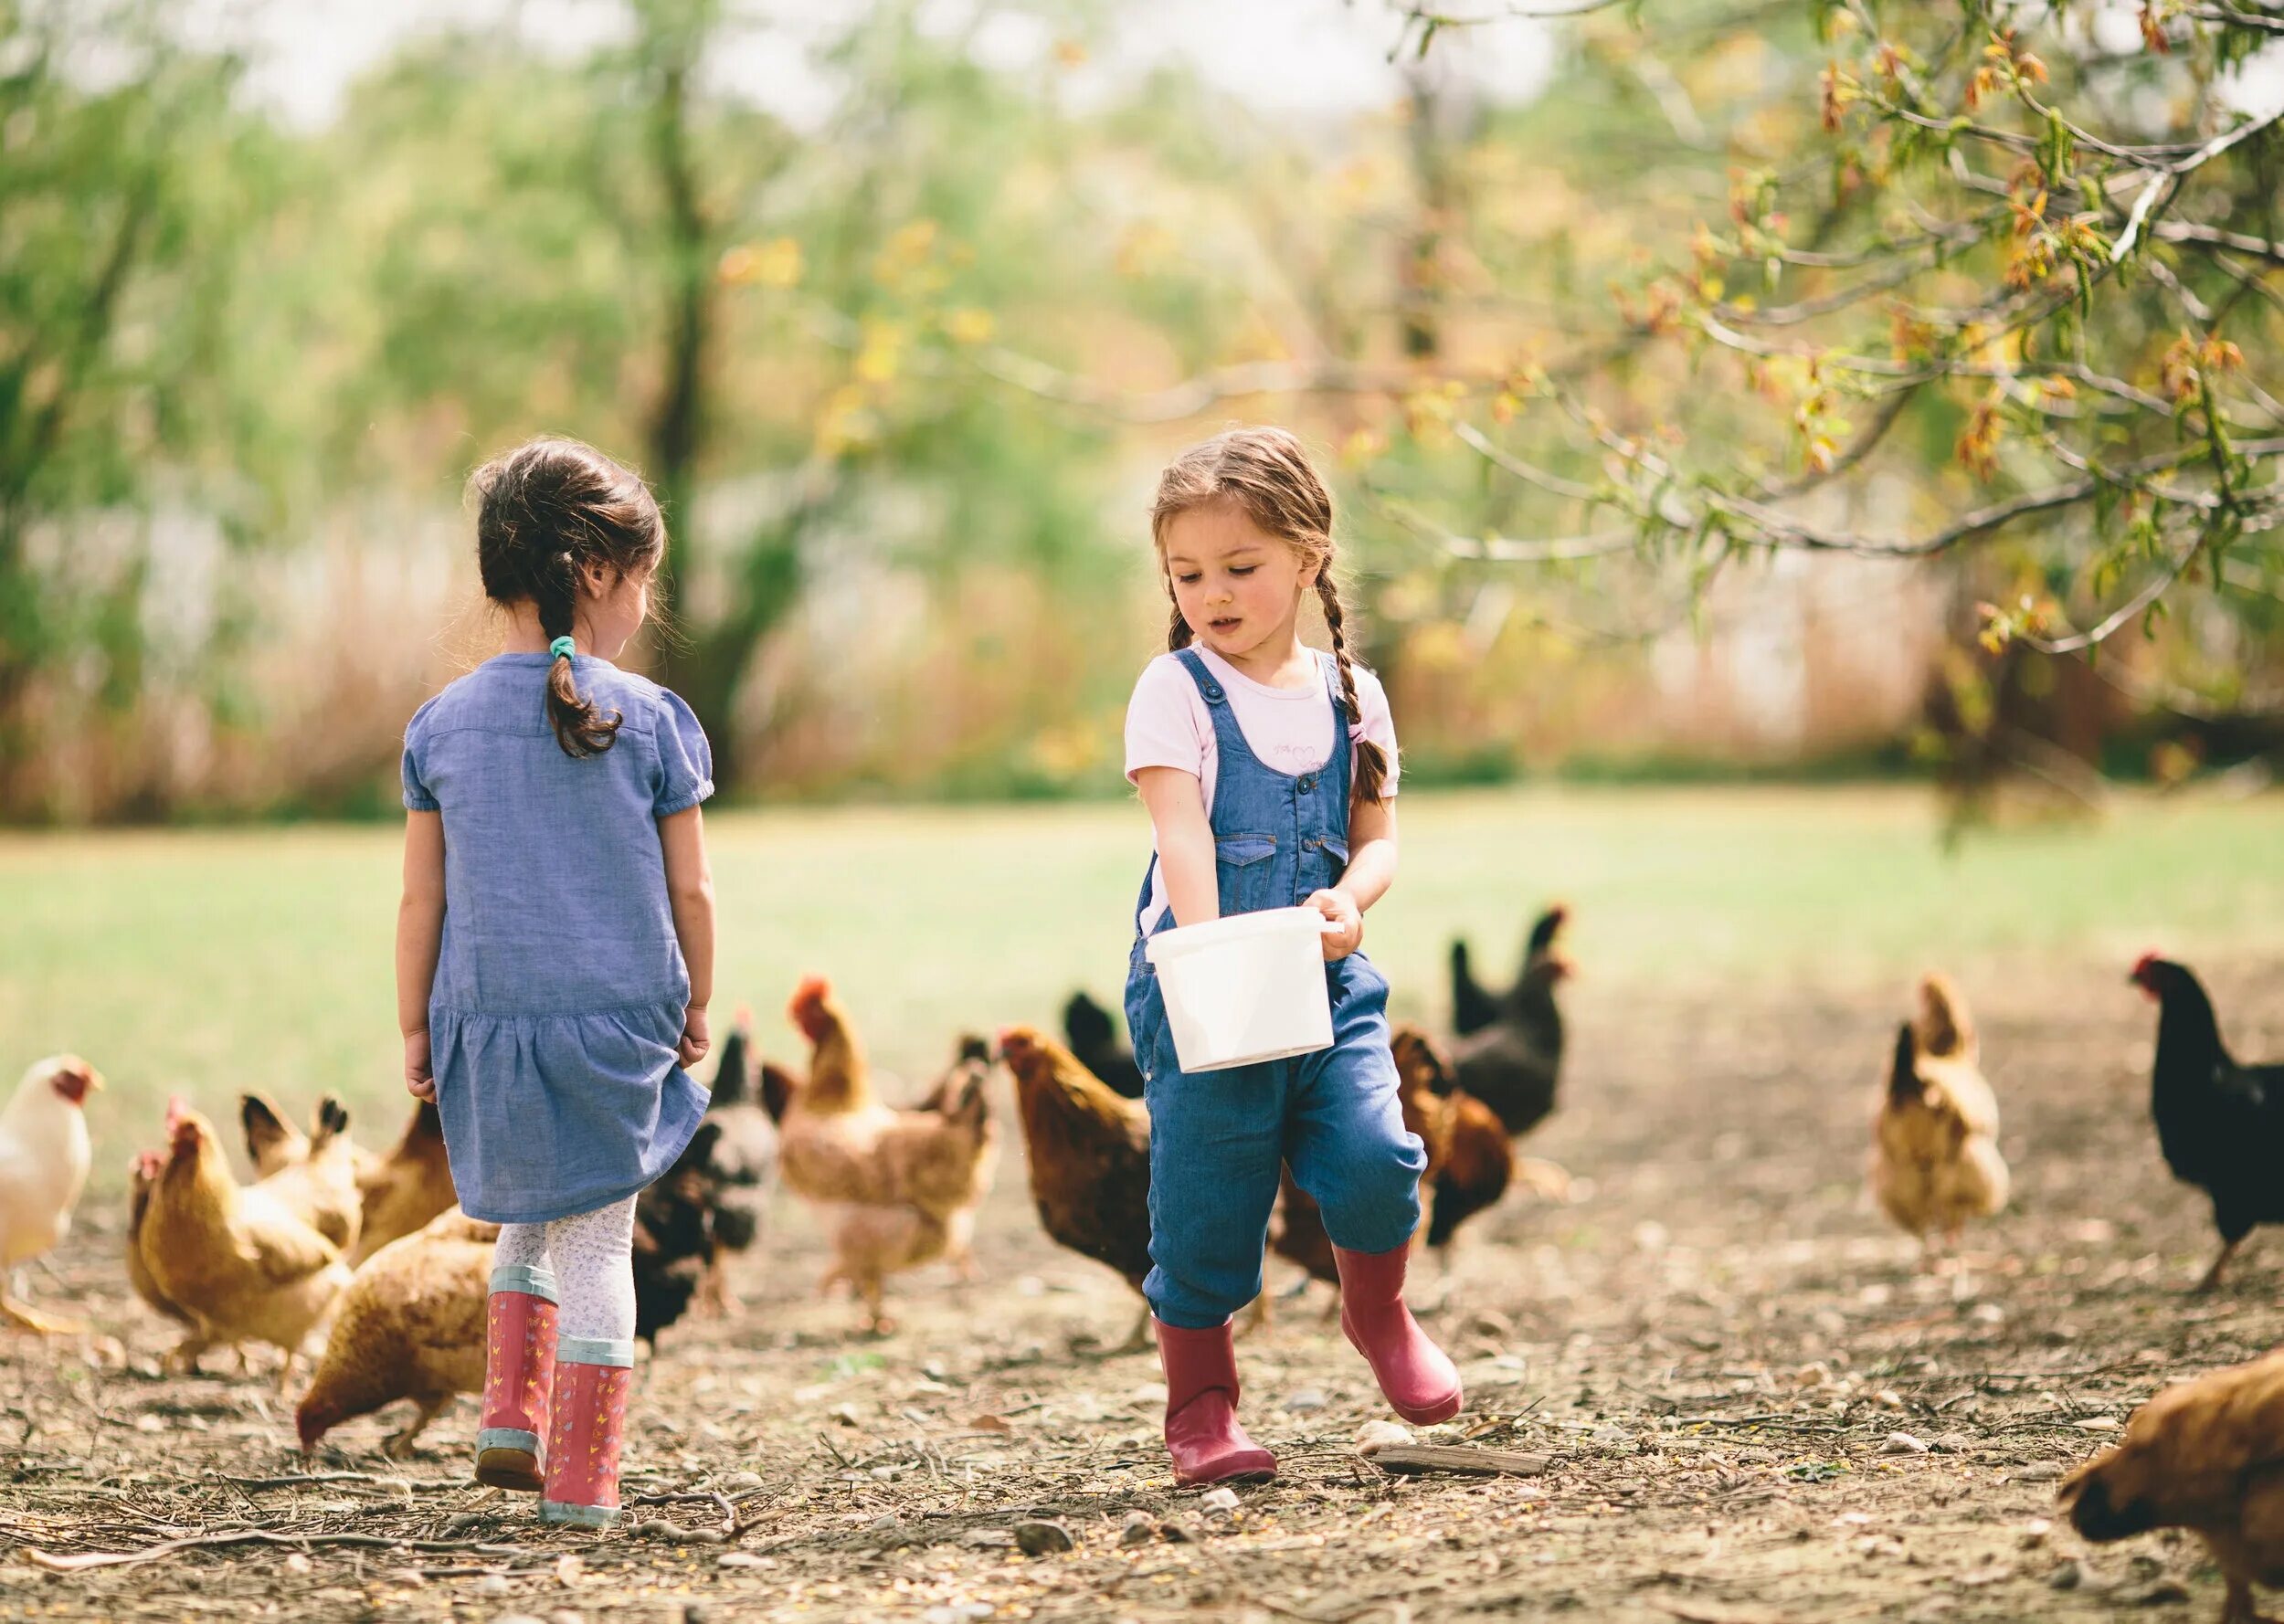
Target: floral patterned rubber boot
<point>592,1379</point>
<point>519,1378</point>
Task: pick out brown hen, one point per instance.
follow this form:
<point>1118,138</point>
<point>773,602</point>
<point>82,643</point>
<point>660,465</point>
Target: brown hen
<point>2207,1456</point>
<point>896,1188</point>
<point>411,1326</point>
<point>1089,1152</point>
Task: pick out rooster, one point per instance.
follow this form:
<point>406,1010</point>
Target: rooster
<point>1093,1032</point>
<point>2220,1123</point>
<point>242,1272</point>
<point>1089,1151</point>
<point>1935,1158</point>
<point>44,1161</point>
<point>1513,1061</point>
<point>314,1179</point>
<point>411,1326</point>
<point>897,1186</point>
<point>2208,1456</point>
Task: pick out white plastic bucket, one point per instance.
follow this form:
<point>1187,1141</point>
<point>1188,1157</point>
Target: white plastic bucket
<point>1246,989</point>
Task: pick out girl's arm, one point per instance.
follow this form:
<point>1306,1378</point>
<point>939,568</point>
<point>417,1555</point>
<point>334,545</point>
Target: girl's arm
<point>689,887</point>
<point>1371,870</point>
<point>1185,842</point>
<point>420,931</point>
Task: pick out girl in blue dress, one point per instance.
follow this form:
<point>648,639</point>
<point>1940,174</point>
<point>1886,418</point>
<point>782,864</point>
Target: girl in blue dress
<point>1268,769</point>
<point>554,954</point>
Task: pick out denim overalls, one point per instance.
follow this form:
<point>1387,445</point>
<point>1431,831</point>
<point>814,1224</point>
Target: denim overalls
<point>1217,1138</point>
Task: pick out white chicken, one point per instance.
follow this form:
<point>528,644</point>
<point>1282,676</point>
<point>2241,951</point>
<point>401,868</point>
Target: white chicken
<point>44,1159</point>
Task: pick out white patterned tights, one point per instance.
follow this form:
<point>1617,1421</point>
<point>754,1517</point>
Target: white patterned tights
<point>592,1255</point>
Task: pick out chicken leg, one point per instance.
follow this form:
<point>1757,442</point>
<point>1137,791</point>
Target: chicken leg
<point>2213,1275</point>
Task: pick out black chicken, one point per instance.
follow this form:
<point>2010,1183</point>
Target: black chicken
<point>1093,1033</point>
<point>709,1204</point>
<point>1475,1007</point>
<point>1512,1060</point>
<point>2221,1124</point>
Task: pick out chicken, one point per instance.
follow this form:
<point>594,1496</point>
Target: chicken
<point>405,1189</point>
<point>1470,1161</point>
<point>1513,1061</point>
<point>1475,1007</point>
<point>143,1177</point>
<point>895,1185</point>
<point>242,1272</point>
<point>1935,1159</point>
<point>1093,1033</point>
<point>2220,1123</point>
<point>314,1179</point>
<point>735,1164</point>
<point>1089,1152</point>
<point>411,1326</point>
<point>2208,1456</point>
<point>44,1161</point>
<point>677,1239</point>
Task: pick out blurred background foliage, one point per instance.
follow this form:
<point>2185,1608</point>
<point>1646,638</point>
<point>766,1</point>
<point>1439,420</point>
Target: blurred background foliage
<point>903,367</point>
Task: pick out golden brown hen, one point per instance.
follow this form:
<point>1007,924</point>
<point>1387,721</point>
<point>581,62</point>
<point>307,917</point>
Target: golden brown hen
<point>1089,1151</point>
<point>313,1178</point>
<point>243,1274</point>
<point>895,1188</point>
<point>406,1188</point>
<point>1935,1159</point>
<point>2207,1456</point>
<point>411,1326</point>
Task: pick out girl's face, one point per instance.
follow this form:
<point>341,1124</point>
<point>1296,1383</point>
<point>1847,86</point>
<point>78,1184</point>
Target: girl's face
<point>612,607</point>
<point>1237,585</point>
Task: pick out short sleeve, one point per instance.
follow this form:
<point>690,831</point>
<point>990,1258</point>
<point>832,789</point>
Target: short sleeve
<point>416,796</point>
<point>1377,726</point>
<point>685,759</point>
<point>1161,724</point>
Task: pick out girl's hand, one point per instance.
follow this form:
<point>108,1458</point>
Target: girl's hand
<point>695,1040</point>
<point>419,1076</point>
<point>1341,908</point>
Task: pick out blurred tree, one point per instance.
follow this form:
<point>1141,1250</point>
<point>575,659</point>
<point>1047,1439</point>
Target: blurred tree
<point>125,181</point>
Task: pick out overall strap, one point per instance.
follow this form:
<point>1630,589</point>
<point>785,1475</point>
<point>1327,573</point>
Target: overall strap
<point>1229,738</point>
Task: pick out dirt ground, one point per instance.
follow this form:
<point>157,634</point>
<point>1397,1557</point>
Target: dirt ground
<point>1714,1344</point>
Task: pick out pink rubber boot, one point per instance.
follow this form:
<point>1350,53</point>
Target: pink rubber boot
<point>592,1379</point>
<point>519,1374</point>
<point>1418,1378</point>
<point>1201,1430</point>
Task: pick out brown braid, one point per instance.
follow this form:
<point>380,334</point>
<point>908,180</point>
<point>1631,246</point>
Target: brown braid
<point>1371,761</point>
<point>1266,473</point>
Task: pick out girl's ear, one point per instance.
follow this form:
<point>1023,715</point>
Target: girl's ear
<point>597,578</point>
<point>1312,571</point>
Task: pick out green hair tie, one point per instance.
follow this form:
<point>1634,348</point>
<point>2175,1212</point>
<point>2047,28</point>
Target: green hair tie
<point>562,647</point>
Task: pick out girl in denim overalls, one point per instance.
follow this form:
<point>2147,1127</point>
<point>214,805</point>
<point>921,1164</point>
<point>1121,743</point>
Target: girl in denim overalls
<point>1243,529</point>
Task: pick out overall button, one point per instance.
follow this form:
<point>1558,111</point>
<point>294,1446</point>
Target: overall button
<point>1308,782</point>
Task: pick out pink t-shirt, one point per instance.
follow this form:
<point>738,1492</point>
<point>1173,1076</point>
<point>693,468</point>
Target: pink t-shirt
<point>1169,725</point>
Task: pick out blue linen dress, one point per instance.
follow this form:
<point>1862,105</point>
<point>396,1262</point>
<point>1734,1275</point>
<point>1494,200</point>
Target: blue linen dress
<point>560,985</point>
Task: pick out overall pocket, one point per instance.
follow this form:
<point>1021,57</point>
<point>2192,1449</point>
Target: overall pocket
<point>1242,865</point>
<point>1323,861</point>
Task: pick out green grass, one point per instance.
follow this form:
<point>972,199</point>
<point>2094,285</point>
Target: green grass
<point>211,961</point>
